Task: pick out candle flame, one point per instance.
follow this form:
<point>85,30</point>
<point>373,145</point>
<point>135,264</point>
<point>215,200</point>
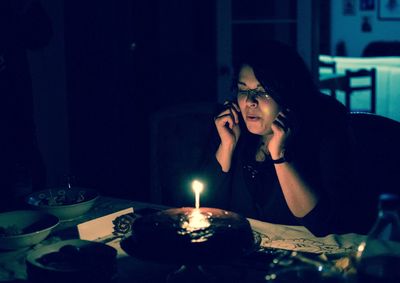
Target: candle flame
<point>197,188</point>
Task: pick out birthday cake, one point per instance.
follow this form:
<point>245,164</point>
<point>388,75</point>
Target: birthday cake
<point>189,234</point>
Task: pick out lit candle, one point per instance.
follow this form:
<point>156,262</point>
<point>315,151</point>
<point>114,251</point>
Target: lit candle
<point>197,188</point>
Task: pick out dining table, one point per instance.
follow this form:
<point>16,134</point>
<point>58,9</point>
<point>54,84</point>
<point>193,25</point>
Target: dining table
<point>295,242</point>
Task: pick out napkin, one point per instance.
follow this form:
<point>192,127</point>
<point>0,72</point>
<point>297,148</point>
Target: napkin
<point>102,228</point>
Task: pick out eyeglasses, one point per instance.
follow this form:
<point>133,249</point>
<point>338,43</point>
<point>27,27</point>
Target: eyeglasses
<point>253,94</point>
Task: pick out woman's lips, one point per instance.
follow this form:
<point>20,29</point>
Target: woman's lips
<point>252,118</point>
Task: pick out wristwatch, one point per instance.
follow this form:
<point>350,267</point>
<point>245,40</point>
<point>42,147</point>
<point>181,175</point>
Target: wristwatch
<point>281,159</point>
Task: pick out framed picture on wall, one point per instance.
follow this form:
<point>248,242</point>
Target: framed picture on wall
<point>389,10</point>
<point>349,7</point>
<point>367,5</point>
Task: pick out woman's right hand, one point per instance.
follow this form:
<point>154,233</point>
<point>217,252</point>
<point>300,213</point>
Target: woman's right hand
<point>227,123</point>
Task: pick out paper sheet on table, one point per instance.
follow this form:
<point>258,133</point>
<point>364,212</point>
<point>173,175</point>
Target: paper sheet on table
<point>298,238</point>
<point>101,227</point>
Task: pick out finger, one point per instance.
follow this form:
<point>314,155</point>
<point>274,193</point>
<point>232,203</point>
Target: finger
<point>224,119</point>
<point>235,115</point>
<point>280,125</point>
<point>236,112</point>
<point>231,108</point>
<point>228,103</point>
<point>284,120</point>
<point>225,112</point>
<point>236,106</point>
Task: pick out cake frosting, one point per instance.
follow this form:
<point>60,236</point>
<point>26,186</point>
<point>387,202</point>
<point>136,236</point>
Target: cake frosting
<point>189,234</point>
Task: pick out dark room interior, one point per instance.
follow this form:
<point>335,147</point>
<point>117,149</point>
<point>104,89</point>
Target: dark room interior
<point>124,101</point>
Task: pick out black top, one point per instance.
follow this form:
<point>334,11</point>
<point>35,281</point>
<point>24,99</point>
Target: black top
<point>322,153</point>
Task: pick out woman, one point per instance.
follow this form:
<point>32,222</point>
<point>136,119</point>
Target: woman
<point>283,150</point>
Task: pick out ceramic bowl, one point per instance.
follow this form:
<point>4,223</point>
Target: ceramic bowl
<point>24,228</point>
<point>65,203</point>
<point>72,261</point>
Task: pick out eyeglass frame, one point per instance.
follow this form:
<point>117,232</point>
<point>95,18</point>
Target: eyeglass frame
<point>254,94</point>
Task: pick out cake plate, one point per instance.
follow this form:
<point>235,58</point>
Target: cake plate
<point>170,237</point>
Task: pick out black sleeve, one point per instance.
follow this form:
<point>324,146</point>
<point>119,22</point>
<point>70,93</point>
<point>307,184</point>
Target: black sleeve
<point>334,210</point>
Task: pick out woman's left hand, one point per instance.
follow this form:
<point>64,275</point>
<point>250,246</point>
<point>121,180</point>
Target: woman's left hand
<point>282,131</point>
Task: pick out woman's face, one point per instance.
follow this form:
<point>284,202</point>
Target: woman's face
<point>258,109</point>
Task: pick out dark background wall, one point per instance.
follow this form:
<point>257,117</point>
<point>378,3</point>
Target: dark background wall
<point>124,60</point>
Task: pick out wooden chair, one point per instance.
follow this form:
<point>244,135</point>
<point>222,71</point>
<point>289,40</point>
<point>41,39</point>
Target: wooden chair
<point>350,88</point>
<point>328,65</point>
<point>331,68</point>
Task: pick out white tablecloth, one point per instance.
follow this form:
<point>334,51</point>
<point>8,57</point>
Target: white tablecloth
<point>298,238</point>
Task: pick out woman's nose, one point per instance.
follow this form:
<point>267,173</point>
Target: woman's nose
<point>251,101</point>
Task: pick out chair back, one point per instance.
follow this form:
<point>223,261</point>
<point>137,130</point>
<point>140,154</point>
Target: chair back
<point>377,146</point>
<point>362,82</point>
<point>179,137</point>
<point>328,68</point>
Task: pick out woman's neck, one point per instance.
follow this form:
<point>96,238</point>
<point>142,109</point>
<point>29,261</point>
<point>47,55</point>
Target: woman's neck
<point>266,138</point>
<point>262,150</point>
